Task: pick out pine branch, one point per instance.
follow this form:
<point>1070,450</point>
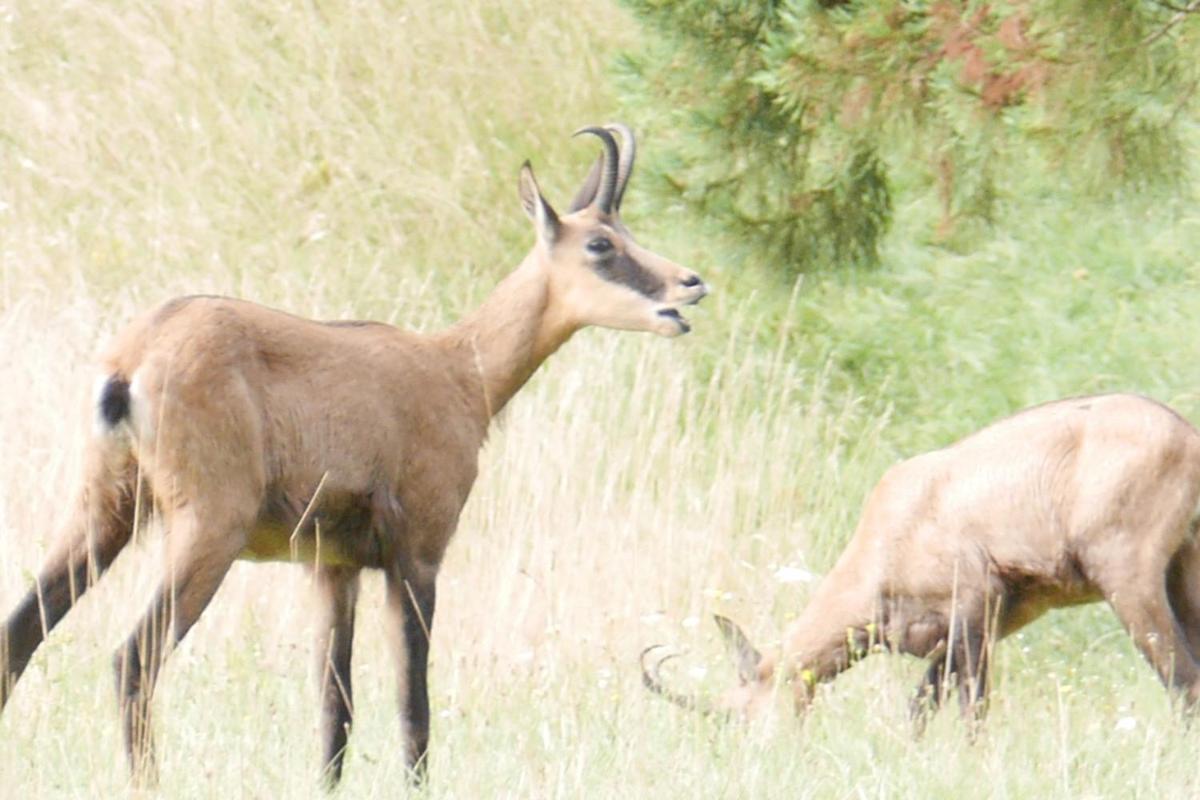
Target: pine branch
<point>1181,13</point>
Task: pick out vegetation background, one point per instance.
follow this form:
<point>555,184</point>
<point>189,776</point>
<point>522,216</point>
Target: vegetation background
<point>359,159</point>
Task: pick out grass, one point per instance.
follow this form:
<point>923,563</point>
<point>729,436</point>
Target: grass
<point>360,160</point>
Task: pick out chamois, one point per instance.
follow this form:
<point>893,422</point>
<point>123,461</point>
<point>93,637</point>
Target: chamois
<point>255,434</point>
<point>1079,500</point>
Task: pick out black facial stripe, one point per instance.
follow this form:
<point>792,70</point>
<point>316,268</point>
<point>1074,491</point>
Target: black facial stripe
<point>623,269</point>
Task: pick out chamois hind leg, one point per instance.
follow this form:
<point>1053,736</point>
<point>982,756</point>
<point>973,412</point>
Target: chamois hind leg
<point>1138,595</point>
<point>202,542</point>
<point>1183,592</point>
<point>100,523</point>
<point>338,591</point>
<point>411,596</point>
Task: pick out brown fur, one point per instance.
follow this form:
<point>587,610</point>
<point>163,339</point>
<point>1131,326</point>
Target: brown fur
<point>257,434</point>
<point>1070,502</point>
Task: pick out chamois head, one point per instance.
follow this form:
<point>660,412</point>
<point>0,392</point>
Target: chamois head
<point>750,699</point>
<point>597,273</point>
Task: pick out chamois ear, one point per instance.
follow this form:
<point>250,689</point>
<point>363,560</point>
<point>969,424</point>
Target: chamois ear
<point>744,653</point>
<point>536,206</point>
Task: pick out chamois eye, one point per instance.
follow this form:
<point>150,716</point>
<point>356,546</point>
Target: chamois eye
<point>600,245</point>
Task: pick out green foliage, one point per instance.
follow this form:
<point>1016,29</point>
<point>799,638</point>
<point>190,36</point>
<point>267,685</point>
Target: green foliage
<point>797,122</point>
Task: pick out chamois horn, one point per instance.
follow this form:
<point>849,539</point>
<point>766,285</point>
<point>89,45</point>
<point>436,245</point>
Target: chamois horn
<point>607,190</point>
<point>625,164</point>
<point>652,681</point>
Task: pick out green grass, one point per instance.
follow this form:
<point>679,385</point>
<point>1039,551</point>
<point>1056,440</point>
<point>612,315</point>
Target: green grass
<point>360,160</point>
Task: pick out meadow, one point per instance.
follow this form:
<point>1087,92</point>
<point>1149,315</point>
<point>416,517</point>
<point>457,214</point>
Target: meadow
<point>359,160</point>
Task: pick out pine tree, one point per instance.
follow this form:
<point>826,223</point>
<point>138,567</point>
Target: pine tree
<point>787,117</point>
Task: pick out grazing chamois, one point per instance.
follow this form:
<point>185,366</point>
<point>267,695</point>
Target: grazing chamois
<point>1079,500</point>
<point>259,435</point>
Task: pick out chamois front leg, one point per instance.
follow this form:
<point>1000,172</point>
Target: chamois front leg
<point>964,660</point>
<point>411,595</point>
<point>930,692</point>
<point>337,588</point>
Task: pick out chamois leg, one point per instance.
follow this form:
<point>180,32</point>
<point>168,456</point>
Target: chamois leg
<point>338,590</point>
<point>1183,591</point>
<point>929,695</point>
<point>963,661</point>
<point>1140,602</point>
<point>100,524</point>
<point>411,595</point>
<point>201,548</point>
<point>971,666</point>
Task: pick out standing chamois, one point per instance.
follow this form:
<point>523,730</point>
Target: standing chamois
<point>1071,502</point>
<point>259,435</point>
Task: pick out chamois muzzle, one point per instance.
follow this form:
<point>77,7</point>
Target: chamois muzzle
<point>674,316</point>
<point>689,290</point>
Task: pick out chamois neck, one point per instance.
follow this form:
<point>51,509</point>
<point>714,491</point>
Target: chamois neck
<point>510,334</point>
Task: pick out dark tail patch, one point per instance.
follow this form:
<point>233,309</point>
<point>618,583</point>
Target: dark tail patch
<point>114,401</point>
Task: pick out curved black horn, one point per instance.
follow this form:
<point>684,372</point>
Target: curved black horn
<point>652,681</point>
<point>608,182</point>
<point>628,154</point>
